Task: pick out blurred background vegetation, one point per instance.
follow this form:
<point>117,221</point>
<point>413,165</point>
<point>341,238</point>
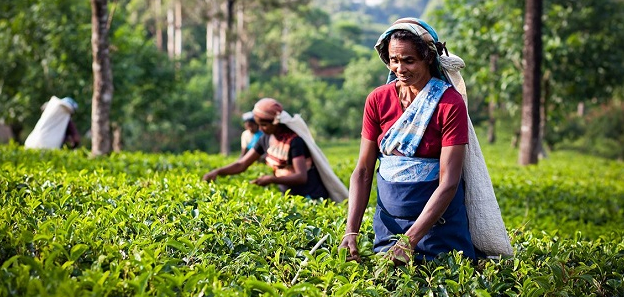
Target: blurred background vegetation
<point>317,58</point>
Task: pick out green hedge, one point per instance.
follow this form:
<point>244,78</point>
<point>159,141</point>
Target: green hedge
<point>144,224</point>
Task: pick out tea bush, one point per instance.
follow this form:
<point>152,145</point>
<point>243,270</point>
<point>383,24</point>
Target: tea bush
<point>144,224</point>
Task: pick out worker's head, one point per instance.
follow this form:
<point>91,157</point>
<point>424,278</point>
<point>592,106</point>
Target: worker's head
<point>266,113</point>
<point>250,122</point>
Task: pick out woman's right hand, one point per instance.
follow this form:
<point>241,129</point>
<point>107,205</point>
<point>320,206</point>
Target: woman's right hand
<point>210,176</point>
<point>350,243</point>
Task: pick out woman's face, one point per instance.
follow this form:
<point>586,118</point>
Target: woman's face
<point>407,64</point>
<point>251,126</point>
<point>265,126</point>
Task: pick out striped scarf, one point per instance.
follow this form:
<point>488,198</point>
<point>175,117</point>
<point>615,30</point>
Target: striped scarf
<point>399,144</point>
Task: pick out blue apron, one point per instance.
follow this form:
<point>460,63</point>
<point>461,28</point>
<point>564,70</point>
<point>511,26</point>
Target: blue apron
<point>398,206</point>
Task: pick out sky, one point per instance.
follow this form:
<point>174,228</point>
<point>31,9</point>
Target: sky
<point>372,2</point>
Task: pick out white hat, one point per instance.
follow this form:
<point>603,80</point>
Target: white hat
<point>248,116</point>
<point>70,103</point>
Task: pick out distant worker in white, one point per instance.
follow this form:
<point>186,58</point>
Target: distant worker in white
<point>55,126</point>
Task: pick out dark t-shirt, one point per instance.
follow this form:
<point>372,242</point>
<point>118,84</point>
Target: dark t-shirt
<point>314,187</point>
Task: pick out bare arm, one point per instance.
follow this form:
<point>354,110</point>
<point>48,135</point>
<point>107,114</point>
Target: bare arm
<point>234,168</point>
<point>359,193</point>
<point>72,136</point>
<point>299,177</point>
<point>243,152</point>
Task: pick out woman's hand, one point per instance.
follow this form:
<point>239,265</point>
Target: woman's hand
<point>210,176</point>
<point>349,242</point>
<point>400,254</point>
<point>263,180</point>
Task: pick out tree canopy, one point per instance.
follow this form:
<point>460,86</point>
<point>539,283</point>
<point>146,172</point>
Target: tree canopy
<point>316,57</point>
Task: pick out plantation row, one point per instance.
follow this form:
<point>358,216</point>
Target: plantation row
<point>144,224</point>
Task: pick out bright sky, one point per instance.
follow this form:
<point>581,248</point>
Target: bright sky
<point>372,2</point>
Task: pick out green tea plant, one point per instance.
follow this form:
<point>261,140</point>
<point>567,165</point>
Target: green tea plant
<point>137,224</point>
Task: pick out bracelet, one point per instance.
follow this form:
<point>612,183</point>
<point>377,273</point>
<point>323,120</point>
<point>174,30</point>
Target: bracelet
<point>350,233</point>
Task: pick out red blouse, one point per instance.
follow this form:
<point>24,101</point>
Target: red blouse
<point>448,125</point>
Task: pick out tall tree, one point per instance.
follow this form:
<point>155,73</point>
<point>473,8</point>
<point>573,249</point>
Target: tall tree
<point>485,33</point>
<point>226,33</point>
<point>102,79</point>
<point>43,53</point>
<point>171,32</point>
<point>157,7</point>
<point>532,61</point>
<point>242,50</point>
<point>178,28</point>
<point>581,54</point>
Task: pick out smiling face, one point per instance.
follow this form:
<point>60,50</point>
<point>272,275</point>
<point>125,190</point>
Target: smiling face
<point>408,65</point>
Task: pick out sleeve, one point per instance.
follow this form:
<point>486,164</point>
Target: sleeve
<point>371,127</point>
<point>298,148</point>
<point>244,141</point>
<point>72,131</point>
<point>455,120</point>
<point>262,144</point>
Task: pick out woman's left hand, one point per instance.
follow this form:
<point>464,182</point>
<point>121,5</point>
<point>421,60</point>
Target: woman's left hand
<point>400,254</point>
<point>263,180</point>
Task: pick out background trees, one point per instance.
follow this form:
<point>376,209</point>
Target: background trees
<point>574,77</point>
<point>316,57</point>
<point>44,51</point>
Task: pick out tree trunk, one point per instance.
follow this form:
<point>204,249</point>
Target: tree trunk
<point>532,58</point>
<point>242,61</point>
<point>285,50</point>
<point>102,80</point>
<point>178,29</point>
<point>215,56</point>
<point>580,109</point>
<point>491,132</point>
<point>226,102</point>
<point>117,138</point>
<point>170,33</point>
<point>158,24</point>
<point>542,154</point>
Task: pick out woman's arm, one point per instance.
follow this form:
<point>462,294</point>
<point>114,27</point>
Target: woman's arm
<point>243,152</point>
<point>298,177</point>
<point>234,168</point>
<point>72,136</point>
<point>359,193</point>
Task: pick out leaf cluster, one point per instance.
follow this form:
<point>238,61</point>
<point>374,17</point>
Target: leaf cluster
<point>144,224</point>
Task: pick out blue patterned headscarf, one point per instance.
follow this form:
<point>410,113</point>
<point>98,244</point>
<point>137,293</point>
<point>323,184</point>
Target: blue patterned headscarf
<point>422,30</point>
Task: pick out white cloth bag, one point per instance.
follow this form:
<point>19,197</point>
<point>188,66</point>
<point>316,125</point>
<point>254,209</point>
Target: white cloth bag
<point>486,225</point>
<point>49,132</point>
<point>337,190</point>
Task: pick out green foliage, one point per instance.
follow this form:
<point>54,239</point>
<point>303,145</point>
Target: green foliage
<point>581,59</point>
<point>599,133</point>
<point>44,51</point>
<point>360,77</point>
<point>166,105</point>
<point>479,32</point>
<point>299,93</point>
<point>144,224</point>
<point>581,49</point>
